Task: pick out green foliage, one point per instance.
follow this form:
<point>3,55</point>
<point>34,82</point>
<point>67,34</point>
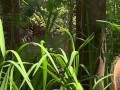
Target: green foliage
<point>113,9</point>
<point>2,40</point>
<point>113,35</point>
<point>66,76</point>
<point>43,68</point>
<point>101,80</point>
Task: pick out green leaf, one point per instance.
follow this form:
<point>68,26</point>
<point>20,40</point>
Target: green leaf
<point>20,62</point>
<point>44,64</point>
<point>68,32</point>
<point>52,74</point>
<point>39,63</point>
<point>22,73</point>
<point>64,56</point>
<point>115,27</point>
<point>50,57</point>
<point>28,73</point>
<point>5,82</point>
<point>83,66</point>
<point>86,41</point>
<point>11,77</point>
<point>72,58</point>
<point>2,40</point>
<point>101,80</point>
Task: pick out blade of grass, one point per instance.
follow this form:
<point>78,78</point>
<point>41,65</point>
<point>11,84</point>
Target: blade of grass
<point>105,88</point>
<point>11,78</point>
<point>5,82</point>
<point>64,56</point>
<point>22,47</point>
<point>83,66</point>
<point>72,58</point>
<point>44,65</point>
<point>78,85</point>
<point>59,59</point>
<point>86,41</point>
<point>20,62</point>
<point>52,74</point>
<point>77,63</point>
<point>50,84</point>
<point>14,86</point>
<point>50,57</point>
<point>28,73</point>
<point>71,38</point>
<point>112,25</point>
<point>22,73</point>
<point>2,40</point>
<point>39,63</point>
<point>101,80</point>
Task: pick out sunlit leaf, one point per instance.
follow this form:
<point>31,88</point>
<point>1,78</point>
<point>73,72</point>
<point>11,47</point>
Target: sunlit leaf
<point>2,40</point>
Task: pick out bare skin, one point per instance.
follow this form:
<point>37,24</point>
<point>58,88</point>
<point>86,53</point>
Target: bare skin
<point>116,74</point>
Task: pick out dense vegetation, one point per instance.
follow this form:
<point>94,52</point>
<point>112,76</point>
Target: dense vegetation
<point>58,44</point>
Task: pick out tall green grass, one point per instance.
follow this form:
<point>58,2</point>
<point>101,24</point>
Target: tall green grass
<point>66,80</point>
<point>2,40</point>
<point>58,66</point>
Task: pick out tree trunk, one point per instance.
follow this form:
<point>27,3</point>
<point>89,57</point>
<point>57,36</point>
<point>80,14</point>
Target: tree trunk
<point>87,12</point>
<point>10,16</point>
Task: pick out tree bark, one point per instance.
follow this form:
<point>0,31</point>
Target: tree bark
<point>10,17</point>
<point>87,12</point>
